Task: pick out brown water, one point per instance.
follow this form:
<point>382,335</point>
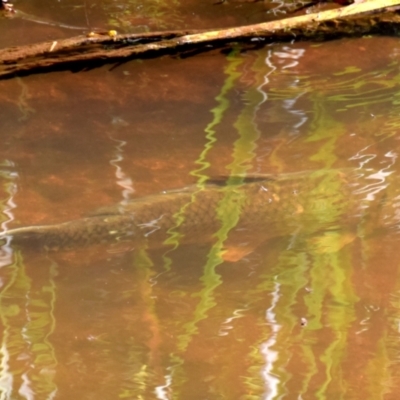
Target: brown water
<point>40,20</point>
<point>297,317</point>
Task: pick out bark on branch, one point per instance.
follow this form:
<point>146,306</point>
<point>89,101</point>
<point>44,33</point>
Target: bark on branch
<point>352,20</point>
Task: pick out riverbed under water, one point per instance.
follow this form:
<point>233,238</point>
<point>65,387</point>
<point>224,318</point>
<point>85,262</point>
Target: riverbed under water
<point>298,316</point>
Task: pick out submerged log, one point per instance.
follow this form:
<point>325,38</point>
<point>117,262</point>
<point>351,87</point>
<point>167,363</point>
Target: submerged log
<point>100,48</point>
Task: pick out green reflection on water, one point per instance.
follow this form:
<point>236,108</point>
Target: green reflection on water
<point>210,278</point>
<point>41,326</point>
<point>161,13</point>
<point>138,380</point>
<point>326,129</point>
<point>26,332</point>
<point>243,155</point>
<point>232,73</point>
<point>210,139</point>
<point>334,290</point>
<point>321,263</point>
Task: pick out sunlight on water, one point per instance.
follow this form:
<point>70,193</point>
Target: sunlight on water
<point>122,179</point>
<point>271,356</point>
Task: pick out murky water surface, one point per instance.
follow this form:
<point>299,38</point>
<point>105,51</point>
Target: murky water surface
<point>309,310</point>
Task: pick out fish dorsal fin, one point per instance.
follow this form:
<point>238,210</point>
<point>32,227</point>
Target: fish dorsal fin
<point>121,208</point>
<point>219,181</point>
<point>240,180</point>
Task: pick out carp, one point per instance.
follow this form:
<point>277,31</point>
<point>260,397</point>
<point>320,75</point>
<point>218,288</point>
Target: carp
<point>263,206</point>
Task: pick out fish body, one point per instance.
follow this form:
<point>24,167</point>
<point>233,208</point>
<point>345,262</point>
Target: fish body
<point>277,205</point>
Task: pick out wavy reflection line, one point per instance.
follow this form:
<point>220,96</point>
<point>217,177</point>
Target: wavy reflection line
<point>16,298</point>
<point>290,58</point>
<point>265,81</point>
<point>290,279</point>
<point>218,112</point>
<point>173,240</point>
<point>363,159</point>
<point>163,392</point>
<point>6,260</point>
<point>25,389</point>
<point>226,325</point>
<point>351,88</point>
<point>6,377</point>
<point>375,92</point>
<point>122,179</point>
<point>379,370</point>
<point>271,355</point>
<point>40,325</point>
<point>7,207</point>
<point>287,59</point>
<point>243,155</point>
<point>254,380</point>
<point>6,251</point>
<point>375,187</point>
<point>330,276</point>
<point>311,368</point>
<point>244,147</point>
<point>280,8</point>
<point>391,124</point>
<point>334,300</point>
<point>12,340</point>
<point>379,366</point>
<point>131,388</point>
<point>210,278</point>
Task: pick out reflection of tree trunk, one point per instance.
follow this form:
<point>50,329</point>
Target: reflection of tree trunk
<point>344,21</point>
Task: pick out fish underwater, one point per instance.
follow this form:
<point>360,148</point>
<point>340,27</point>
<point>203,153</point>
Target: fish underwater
<point>254,210</point>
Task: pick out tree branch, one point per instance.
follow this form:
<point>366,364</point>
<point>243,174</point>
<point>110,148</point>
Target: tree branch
<point>101,48</point>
